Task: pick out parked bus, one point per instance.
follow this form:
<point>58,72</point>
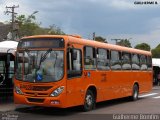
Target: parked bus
<point>7,60</point>
<point>64,71</point>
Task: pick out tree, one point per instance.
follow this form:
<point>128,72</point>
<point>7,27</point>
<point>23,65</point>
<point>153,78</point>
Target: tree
<point>100,39</point>
<point>52,30</point>
<point>124,42</point>
<point>143,46</point>
<point>28,26</point>
<point>156,52</point>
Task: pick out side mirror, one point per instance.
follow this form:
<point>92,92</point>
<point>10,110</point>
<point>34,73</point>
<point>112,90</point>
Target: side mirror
<point>74,55</point>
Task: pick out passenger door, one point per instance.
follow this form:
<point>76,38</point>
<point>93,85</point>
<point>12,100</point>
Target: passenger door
<point>74,77</point>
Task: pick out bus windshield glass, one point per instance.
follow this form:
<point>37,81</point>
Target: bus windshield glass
<point>40,66</point>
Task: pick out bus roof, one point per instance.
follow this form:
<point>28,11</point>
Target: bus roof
<point>76,39</point>
<point>8,46</point>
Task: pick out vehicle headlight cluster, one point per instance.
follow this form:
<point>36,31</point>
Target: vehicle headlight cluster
<point>18,90</point>
<point>57,91</point>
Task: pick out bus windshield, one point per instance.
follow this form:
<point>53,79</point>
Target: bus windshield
<point>40,66</point>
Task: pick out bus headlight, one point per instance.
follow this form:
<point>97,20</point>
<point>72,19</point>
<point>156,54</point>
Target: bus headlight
<point>57,91</point>
<point>18,90</point>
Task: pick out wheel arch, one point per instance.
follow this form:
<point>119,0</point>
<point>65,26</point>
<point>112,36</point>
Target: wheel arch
<point>93,89</point>
<point>136,83</point>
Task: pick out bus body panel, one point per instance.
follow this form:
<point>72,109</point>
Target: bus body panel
<point>75,92</point>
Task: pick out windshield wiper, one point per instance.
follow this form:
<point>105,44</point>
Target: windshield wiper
<point>43,57</point>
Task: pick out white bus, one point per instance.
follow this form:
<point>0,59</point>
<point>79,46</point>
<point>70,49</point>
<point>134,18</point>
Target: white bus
<point>7,61</point>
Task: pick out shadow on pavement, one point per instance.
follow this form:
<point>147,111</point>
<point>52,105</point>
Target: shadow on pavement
<point>50,110</point>
<point>113,102</point>
<point>69,111</point>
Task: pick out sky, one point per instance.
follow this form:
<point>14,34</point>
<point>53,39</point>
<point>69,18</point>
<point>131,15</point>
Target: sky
<point>111,19</point>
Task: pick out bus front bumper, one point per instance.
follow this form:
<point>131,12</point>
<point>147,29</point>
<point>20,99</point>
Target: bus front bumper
<point>40,101</point>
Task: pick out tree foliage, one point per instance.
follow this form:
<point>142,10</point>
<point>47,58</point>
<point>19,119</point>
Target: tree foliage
<point>52,30</point>
<point>28,26</point>
<point>143,46</point>
<point>100,39</point>
<point>156,52</point>
<point>124,42</point>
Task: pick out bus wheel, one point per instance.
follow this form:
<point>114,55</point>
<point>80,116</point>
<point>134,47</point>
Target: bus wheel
<point>89,102</point>
<point>135,93</point>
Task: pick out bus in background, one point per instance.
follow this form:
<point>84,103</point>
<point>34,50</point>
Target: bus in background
<point>7,60</point>
<point>156,70</point>
<point>64,71</point>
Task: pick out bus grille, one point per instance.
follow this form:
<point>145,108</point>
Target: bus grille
<point>35,100</point>
<point>38,88</point>
<point>36,94</point>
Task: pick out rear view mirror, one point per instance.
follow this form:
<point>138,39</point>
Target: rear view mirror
<point>74,55</point>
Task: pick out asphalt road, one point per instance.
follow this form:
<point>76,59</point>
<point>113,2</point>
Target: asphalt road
<point>146,108</point>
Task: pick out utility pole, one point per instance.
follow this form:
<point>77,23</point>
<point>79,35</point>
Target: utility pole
<point>8,11</point>
<point>94,35</point>
<point>116,40</point>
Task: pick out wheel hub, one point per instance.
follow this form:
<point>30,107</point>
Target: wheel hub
<point>89,100</point>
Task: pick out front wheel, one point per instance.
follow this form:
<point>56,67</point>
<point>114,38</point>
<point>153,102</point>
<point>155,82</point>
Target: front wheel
<point>135,93</point>
<point>89,102</point>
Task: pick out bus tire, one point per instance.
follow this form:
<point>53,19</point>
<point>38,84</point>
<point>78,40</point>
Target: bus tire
<point>89,101</point>
<point>135,93</point>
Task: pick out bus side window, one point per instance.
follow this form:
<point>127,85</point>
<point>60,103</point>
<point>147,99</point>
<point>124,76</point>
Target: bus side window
<point>126,61</point>
<point>115,60</point>
<point>135,62</point>
<point>143,62</point>
<point>89,58</point>
<point>74,62</point>
<point>149,63</point>
<point>103,59</point>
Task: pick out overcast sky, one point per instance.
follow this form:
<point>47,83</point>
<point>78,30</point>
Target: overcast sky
<point>107,18</point>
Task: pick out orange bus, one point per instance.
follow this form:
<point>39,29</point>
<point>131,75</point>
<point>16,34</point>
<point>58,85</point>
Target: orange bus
<point>64,71</point>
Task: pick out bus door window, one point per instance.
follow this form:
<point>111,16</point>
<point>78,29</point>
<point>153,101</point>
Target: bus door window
<point>103,59</point>
<point>2,71</point>
<point>11,71</point>
<point>143,62</point>
<point>126,61</point>
<point>74,62</point>
<point>89,58</point>
<point>135,62</point>
<point>149,63</point>
<point>115,60</point>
